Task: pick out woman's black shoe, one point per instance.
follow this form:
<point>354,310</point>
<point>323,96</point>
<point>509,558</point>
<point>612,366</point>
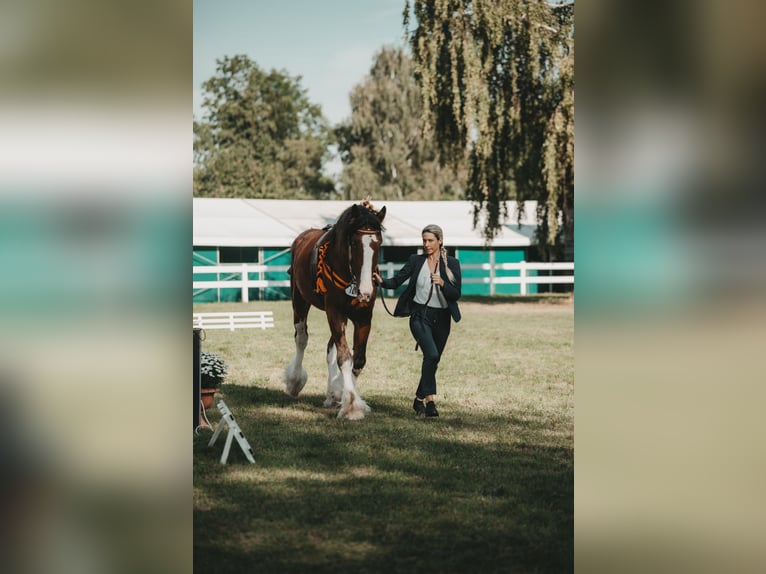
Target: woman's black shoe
<point>431,409</point>
<point>419,406</point>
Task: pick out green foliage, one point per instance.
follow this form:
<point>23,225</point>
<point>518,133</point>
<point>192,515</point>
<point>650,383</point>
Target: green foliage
<point>497,81</point>
<point>382,146</point>
<point>260,136</point>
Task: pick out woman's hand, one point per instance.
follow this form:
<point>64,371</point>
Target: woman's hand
<point>376,277</point>
<point>437,280</point>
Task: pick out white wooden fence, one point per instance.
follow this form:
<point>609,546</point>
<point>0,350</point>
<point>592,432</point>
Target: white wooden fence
<point>523,279</point>
<point>234,320</point>
<point>237,276</point>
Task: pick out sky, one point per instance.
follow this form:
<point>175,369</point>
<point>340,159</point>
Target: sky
<point>329,43</point>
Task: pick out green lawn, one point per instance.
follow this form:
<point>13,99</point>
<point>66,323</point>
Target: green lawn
<point>486,487</point>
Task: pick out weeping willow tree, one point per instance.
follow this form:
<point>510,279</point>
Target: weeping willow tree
<point>497,81</point>
<point>381,145</point>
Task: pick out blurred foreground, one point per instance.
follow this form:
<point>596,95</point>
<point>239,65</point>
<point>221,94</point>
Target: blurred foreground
<point>671,276</point>
<point>95,156</point>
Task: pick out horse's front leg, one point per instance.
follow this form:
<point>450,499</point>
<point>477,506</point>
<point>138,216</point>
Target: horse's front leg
<point>334,376</point>
<point>361,334</point>
<point>352,406</point>
<point>295,375</point>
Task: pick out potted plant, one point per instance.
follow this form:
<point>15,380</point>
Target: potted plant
<point>213,371</point>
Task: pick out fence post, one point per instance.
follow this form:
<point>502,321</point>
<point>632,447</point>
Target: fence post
<point>261,274</point>
<point>245,285</point>
<point>523,277</point>
<point>389,273</point>
<point>196,350</point>
<point>492,273</point>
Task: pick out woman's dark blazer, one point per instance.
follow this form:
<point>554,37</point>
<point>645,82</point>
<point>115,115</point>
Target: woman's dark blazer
<point>411,270</point>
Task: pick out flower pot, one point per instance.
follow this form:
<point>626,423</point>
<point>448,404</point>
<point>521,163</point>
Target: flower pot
<point>207,396</point>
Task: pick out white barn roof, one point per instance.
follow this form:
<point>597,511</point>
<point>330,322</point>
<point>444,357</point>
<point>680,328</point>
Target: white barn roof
<point>276,222</point>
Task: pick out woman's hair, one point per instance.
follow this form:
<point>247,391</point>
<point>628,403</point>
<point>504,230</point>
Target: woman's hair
<point>437,231</point>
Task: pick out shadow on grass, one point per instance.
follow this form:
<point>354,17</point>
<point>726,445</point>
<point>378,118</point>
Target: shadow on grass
<point>391,493</point>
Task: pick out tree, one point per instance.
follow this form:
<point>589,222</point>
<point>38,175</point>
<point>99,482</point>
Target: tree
<point>497,82</point>
<point>381,145</point>
<point>260,136</point>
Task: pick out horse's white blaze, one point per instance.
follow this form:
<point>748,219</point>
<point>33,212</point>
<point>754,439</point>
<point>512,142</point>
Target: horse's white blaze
<point>334,379</point>
<point>365,285</point>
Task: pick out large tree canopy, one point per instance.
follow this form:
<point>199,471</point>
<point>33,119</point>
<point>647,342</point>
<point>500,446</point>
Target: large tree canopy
<point>382,145</point>
<point>497,82</point>
<point>260,136</point>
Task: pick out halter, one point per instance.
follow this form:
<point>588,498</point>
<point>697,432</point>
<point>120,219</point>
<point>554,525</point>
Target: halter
<point>352,289</point>
<point>325,271</point>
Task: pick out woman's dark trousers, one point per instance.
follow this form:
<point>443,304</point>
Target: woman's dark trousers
<point>430,327</point>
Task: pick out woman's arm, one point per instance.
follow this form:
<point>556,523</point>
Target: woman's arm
<point>401,276</point>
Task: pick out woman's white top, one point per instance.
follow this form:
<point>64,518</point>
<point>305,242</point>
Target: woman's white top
<point>423,287</point>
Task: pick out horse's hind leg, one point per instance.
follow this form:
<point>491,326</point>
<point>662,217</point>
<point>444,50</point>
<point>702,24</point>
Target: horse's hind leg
<point>295,375</point>
<point>334,376</point>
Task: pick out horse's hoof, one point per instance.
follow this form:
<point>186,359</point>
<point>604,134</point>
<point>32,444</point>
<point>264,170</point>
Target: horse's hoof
<point>294,382</point>
<point>354,412</point>
<point>354,415</point>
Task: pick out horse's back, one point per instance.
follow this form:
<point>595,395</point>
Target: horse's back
<point>303,245</point>
<point>302,276</point>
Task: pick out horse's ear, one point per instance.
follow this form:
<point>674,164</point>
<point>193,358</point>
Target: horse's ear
<point>382,213</point>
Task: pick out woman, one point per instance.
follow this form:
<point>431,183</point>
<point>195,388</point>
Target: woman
<point>430,300</point>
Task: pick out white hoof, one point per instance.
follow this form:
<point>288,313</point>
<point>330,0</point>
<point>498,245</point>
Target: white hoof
<point>294,380</point>
<point>331,402</point>
<point>353,415</point>
<point>354,408</point>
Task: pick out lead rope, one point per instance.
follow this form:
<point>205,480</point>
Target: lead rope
<point>382,298</point>
<point>430,293</point>
<point>431,290</point>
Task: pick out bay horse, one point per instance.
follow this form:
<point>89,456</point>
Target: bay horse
<point>331,269</point>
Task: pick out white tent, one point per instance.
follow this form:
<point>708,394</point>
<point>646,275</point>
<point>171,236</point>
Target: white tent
<point>275,222</point>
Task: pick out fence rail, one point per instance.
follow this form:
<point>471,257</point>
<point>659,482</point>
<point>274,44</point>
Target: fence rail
<point>237,276</point>
<point>234,320</point>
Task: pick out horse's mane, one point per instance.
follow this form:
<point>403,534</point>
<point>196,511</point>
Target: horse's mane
<point>358,216</point>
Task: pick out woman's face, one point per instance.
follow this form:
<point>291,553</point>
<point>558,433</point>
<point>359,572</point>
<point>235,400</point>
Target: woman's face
<point>430,243</point>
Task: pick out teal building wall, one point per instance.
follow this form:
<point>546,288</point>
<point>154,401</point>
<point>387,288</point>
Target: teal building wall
<point>470,256</point>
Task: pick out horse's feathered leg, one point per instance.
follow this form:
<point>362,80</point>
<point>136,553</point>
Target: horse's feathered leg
<point>352,406</point>
<point>361,334</point>
<point>334,376</point>
<point>295,375</point>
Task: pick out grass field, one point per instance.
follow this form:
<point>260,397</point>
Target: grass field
<point>486,487</point>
